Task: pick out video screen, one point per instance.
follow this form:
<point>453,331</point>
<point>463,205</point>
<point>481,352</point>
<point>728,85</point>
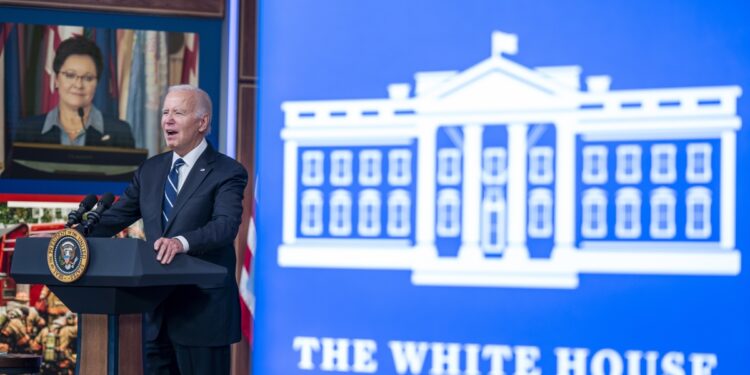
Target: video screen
<point>84,103</point>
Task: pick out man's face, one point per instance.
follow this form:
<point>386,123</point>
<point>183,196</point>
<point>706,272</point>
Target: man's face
<point>183,128</point>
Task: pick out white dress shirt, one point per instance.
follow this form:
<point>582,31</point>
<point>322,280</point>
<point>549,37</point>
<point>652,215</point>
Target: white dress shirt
<point>190,158</point>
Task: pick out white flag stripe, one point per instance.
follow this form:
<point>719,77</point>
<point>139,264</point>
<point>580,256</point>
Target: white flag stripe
<point>247,275</point>
<point>245,292</point>
<point>251,236</point>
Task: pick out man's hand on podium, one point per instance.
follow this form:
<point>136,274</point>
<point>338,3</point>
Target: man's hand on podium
<point>167,248</point>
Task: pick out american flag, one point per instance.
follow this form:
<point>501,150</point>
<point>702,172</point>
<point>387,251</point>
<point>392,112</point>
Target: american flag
<point>5,30</point>
<point>247,277</point>
<point>190,60</point>
<point>53,36</point>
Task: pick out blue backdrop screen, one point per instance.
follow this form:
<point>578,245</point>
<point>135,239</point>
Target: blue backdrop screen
<point>497,187</point>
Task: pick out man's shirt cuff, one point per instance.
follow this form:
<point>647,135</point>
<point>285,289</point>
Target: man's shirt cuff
<point>185,244</point>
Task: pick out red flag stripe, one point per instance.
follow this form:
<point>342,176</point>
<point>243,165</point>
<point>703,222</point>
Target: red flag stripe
<point>247,293</point>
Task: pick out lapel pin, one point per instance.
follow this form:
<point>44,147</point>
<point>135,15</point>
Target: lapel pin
<point>203,169</point>
<point>105,137</point>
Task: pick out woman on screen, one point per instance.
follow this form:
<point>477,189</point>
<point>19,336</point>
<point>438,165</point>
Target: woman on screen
<point>76,121</point>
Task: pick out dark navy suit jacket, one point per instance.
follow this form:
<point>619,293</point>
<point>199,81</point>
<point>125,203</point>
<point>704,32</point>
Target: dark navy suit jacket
<point>208,212</point>
<point>116,133</point>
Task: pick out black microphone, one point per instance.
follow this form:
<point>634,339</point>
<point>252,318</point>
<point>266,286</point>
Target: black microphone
<point>83,122</point>
<point>86,204</point>
<point>93,217</point>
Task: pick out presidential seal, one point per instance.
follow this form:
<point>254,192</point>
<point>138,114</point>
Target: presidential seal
<point>67,255</point>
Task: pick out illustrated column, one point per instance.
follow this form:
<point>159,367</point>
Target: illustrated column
<point>426,150</point>
<point>517,182</point>
<point>728,189</point>
<point>290,192</point>
<point>472,192</point>
<point>565,177</point>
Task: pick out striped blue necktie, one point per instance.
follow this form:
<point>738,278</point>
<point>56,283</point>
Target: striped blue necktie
<point>170,191</point>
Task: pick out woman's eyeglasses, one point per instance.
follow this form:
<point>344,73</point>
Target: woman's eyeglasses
<point>72,77</point>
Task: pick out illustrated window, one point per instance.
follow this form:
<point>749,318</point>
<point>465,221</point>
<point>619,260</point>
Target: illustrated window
<point>493,230</point>
<point>698,163</point>
<point>312,168</point>
<point>662,213</point>
<point>399,167</point>
<point>448,211</point>
<point>594,164</point>
<point>449,166</point>
<point>663,169</point>
<point>399,208</point>
<point>698,202</point>
<point>341,168</point>
<point>628,164</point>
<point>340,222</point>
<point>540,165</point>
<point>369,213</point>
<point>370,167</point>
<point>594,214</point>
<point>494,166</point>
<point>312,213</point>
<point>628,213</point>
<point>540,213</point>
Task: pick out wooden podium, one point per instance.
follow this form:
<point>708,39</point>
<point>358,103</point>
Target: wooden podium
<point>122,281</point>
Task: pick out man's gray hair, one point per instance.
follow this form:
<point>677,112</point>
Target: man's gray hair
<point>202,103</point>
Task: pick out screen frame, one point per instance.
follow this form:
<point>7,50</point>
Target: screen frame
<point>209,76</point>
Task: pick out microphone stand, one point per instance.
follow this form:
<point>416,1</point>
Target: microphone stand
<point>83,121</point>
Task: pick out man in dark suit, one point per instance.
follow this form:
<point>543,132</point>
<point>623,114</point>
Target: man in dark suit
<point>190,200</point>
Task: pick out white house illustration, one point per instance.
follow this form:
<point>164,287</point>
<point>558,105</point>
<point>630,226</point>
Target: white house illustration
<point>506,176</point>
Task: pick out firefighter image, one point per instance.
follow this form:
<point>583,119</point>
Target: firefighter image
<point>49,305</point>
<point>13,332</point>
<point>34,321</point>
<point>57,343</point>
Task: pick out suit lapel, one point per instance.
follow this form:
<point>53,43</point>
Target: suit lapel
<point>52,136</point>
<point>93,137</point>
<point>197,175</point>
